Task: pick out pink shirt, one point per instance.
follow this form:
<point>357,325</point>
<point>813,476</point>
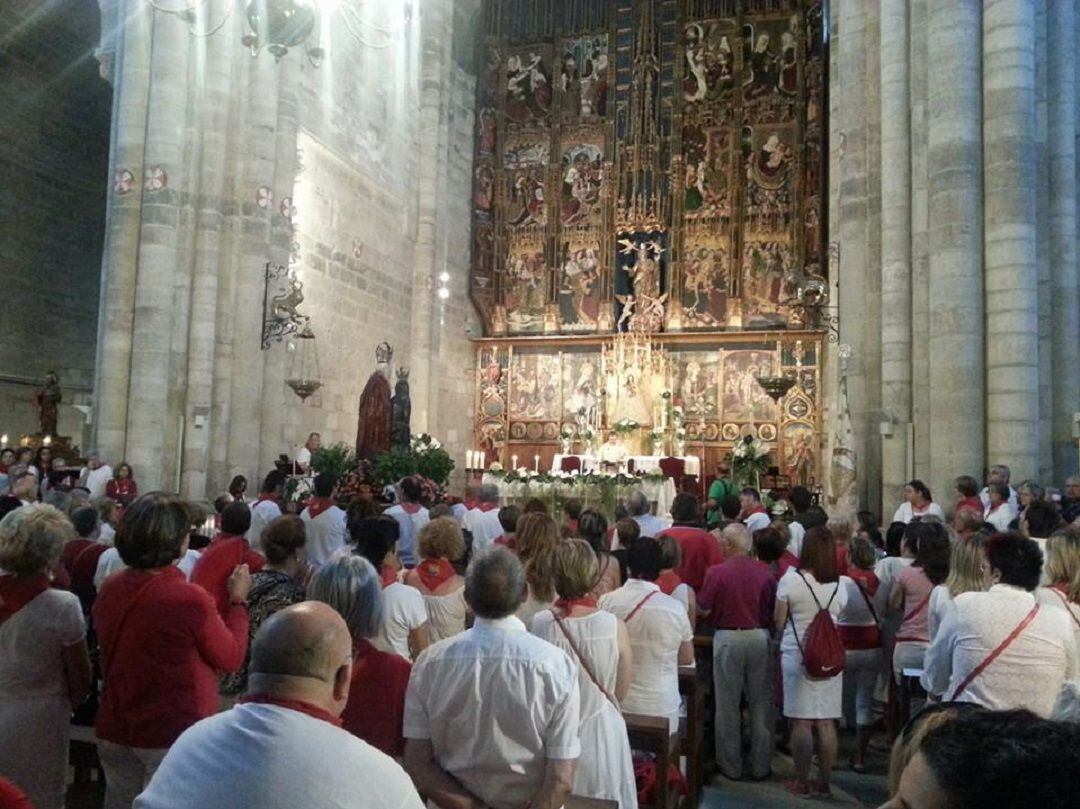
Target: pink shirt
<point>917,588</point>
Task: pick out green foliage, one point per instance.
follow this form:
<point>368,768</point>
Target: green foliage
<point>435,464</point>
<point>337,459</point>
<point>392,466</point>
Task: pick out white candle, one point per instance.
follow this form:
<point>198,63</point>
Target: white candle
<point>483,460</point>
<point>536,463</point>
<point>513,462</point>
<point>468,460</point>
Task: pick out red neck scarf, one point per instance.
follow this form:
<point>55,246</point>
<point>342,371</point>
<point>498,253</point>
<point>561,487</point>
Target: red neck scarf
<point>411,508</point>
<point>668,581</point>
<point>434,573</point>
<point>567,604</point>
<point>387,575</point>
<point>758,509</point>
<point>1062,587</point>
<point>18,591</point>
<point>920,509</point>
<point>318,505</point>
<point>487,506</point>
<point>470,504</point>
<point>293,705</point>
<point>995,506</point>
<point>264,497</point>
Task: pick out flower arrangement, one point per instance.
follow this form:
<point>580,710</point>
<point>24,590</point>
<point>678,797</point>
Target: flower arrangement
<point>423,443</point>
<point>749,460</point>
<point>567,432</point>
<point>495,467</point>
<point>625,426</point>
<point>665,394</point>
<point>335,459</point>
<point>425,457</point>
<point>298,489</point>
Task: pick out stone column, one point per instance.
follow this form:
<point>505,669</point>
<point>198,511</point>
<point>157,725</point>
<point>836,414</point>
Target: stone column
<point>1012,327</point>
<point>895,245</point>
<point>920,241</point>
<point>1062,133</point>
<point>1042,246</point>
<point>130,45</point>
<point>954,97</point>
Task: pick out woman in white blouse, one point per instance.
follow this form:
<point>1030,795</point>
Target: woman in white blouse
<point>440,545</point>
<point>917,503</point>
<point>1062,570</point>
<point>999,513</point>
<point>969,572</point>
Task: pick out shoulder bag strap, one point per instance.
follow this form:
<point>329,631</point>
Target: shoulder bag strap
<point>869,603</point>
<point>640,604</point>
<point>122,623</point>
<point>917,608</point>
<point>1068,607</point>
<point>581,658</point>
<point>990,658</point>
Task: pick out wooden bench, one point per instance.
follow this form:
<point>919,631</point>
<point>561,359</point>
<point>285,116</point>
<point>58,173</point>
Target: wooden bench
<point>578,802</point>
<point>694,685</point>
<point>652,734</point>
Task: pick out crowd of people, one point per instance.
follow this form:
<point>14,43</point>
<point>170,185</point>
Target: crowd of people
<point>482,653</point>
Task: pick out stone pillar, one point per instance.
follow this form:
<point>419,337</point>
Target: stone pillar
<point>957,407</point>
<point>920,241</point>
<point>1042,246</point>
<point>1012,327</point>
<point>895,246</point>
<point>1062,133</point>
<point>131,87</point>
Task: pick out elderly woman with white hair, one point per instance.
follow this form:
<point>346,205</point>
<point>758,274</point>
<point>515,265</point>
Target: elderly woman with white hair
<point>376,707</point>
<point>44,667</point>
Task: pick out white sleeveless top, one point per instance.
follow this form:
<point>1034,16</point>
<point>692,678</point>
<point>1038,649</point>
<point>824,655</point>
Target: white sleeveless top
<point>446,614</point>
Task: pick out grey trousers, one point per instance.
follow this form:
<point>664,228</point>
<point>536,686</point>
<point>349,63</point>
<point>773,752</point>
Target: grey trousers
<point>743,663</point>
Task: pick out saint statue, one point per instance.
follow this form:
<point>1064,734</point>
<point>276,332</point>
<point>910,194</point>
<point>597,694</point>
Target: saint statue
<point>400,412</point>
<point>373,419</point>
<point>48,401</point>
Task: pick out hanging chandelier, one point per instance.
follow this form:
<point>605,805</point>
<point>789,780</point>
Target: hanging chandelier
<point>304,372</point>
<point>278,25</point>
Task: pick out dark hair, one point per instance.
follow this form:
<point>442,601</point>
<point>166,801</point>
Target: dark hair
<point>991,759</point>
<point>359,509</point>
<point>750,491</point>
<point>124,465</point>
<point>628,530</point>
<point>324,484</point>
<point>645,559</point>
<point>922,489</point>
<point>85,520</point>
<point>410,490</point>
<point>152,531</point>
<point>1002,490</point>
<point>282,538</point>
<point>8,503</point>
<point>894,538</point>
<point>221,502</point>
<point>237,484</point>
<point>375,537</point>
<point>730,507</point>
<point>236,518</point>
<point>800,498</point>
<point>1017,558</point>
<point>819,554</point>
<point>684,508</point>
<point>275,479</point>
<point>1042,518</point>
<point>866,520</point>
<point>769,544</point>
<point>934,550</point>
<point>572,508</point>
<point>967,486</point>
<point>535,506</point>
<point>508,517</point>
<point>593,526</point>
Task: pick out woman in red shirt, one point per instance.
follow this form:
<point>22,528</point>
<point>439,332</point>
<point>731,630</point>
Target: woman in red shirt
<point>122,488</point>
<point>375,711</point>
<point>163,645</point>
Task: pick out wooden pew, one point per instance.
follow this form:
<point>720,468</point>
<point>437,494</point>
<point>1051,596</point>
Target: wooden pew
<point>578,802</point>
<point>651,734</point>
<point>694,686</point>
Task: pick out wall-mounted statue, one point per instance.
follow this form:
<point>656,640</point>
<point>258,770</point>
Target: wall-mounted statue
<point>48,401</point>
<point>401,412</point>
<point>373,419</point>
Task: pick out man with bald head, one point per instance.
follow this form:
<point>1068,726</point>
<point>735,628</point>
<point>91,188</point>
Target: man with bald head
<point>738,597</point>
<point>283,747</point>
<point>491,715</point>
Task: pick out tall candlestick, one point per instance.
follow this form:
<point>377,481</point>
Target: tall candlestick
<point>513,462</point>
<point>483,460</point>
<point>536,463</point>
<point>469,460</point>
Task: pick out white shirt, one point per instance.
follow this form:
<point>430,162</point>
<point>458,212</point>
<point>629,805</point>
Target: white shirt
<point>326,534</point>
<point>656,632</point>
<point>95,479</point>
<point>303,458</point>
<point>856,610</point>
<point>1000,517</point>
<point>410,525</point>
<point>1050,597</point>
<point>612,453</point>
<point>802,608</point>
<point>1014,498</point>
<point>263,513</point>
<point>107,535</point>
<point>906,513</point>
<point>496,703</point>
<point>939,609</point>
<point>268,757</point>
<point>485,528</point>
<point>759,520</point>
<point>110,562</point>
<point>798,533</point>
<point>1029,673</point>
<point>887,570</point>
<point>403,611</point>
<point>651,525</point>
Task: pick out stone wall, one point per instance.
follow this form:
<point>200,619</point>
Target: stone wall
<point>53,171</point>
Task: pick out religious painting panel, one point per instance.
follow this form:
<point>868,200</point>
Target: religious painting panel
<point>765,263</point>
<point>583,76</point>
<point>706,279</point>
<point>708,181</point>
<point>582,175</point>
<point>491,389</point>
<point>581,386</point>
<point>710,51</point>
<point>528,96</point>
<point>525,288</point>
<point>534,389</point>
<point>525,160</point>
<point>799,454</point>
<point>768,157</point>
<point>640,277</point>
<point>697,384</point>
<point>770,76</point>
<point>742,398</point>
<point>483,190</point>
<point>579,282</point>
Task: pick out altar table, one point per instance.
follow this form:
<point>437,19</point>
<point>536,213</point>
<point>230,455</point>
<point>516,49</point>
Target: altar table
<point>659,492</point>
<point>642,463</point>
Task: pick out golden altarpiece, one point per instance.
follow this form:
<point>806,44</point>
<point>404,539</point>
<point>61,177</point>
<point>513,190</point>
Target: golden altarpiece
<point>648,226</point>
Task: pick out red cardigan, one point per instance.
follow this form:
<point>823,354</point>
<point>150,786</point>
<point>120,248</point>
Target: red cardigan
<point>217,563</point>
<point>161,658</point>
<point>375,711</point>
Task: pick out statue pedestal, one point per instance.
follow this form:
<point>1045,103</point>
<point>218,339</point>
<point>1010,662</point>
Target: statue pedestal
<point>60,444</point>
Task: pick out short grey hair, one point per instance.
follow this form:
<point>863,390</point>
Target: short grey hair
<point>350,584</point>
<point>59,499</point>
<point>1002,470</point>
<point>489,493</point>
<point>739,536</point>
<point>32,538</point>
<point>495,584</point>
<point>637,503</point>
